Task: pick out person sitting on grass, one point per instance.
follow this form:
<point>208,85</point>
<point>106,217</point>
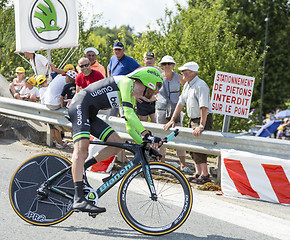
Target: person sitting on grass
<point>18,82</point>
<point>29,92</point>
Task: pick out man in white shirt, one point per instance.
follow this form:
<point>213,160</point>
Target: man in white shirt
<point>196,97</point>
<point>54,90</point>
<point>38,63</point>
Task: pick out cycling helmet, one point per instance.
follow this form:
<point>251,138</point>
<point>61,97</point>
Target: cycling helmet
<point>149,76</point>
<point>40,79</point>
<point>31,80</point>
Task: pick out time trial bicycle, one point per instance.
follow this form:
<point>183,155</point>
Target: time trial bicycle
<point>154,198</point>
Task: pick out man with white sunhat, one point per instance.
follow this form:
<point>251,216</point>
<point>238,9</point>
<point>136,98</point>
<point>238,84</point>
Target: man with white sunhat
<point>196,97</point>
<point>92,53</point>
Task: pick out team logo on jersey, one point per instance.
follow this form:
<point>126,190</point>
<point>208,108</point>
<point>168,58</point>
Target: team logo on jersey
<point>114,99</point>
<point>151,85</point>
<point>48,20</point>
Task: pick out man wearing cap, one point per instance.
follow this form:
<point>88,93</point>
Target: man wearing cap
<point>18,82</point>
<point>196,97</point>
<point>92,53</point>
<point>87,75</point>
<point>149,60</point>
<point>120,64</point>
<point>38,62</point>
<point>29,92</point>
<point>145,106</point>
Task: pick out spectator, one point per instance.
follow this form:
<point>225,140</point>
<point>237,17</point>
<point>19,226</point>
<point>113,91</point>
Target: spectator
<point>56,134</point>
<point>196,97</point>
<point>17,82</point>
<point>69,89</point>
<point>38,63</point>
<point>87,75</point>
<point>146,107</point>
<point>284,130</point>
<point>120,64</point>
<point>149,61</point>
<point>29,92</point>
<point>42,84</point>
<point>168,95</point>
<point>92,53</point>
<point>52,94</point>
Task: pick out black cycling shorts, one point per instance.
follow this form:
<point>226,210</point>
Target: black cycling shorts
<point>83,115</point>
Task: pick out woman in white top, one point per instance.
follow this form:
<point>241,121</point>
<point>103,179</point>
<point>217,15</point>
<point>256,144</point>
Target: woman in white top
<point>17,82</point>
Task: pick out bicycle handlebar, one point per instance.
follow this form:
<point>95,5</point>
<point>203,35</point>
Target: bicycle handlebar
<point>171,136</point>
<point>154,153</point>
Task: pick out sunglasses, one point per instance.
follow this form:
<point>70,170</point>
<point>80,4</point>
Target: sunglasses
<point>164,64</point>
<point>84,65</point>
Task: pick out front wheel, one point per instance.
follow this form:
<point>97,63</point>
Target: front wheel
<point>50,207</point>
<point>155,216</point>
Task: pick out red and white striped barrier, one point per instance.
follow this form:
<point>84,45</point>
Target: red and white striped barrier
<point>253,176</point>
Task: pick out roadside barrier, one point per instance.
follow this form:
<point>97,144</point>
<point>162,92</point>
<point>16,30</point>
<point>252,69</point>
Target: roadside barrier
<point>236,179</point>
<point>248,175</point>
<point>209,142</point>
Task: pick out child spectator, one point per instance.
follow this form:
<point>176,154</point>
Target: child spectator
<point>69,89</point>
<point>17,82</point>
<point>29,92</point>
<point>42,83</point>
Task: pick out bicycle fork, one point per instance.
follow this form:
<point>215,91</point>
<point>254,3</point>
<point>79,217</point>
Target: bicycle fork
<point>149,179</point>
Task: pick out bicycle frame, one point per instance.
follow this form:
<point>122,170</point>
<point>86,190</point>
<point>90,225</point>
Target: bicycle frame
<point>139,156</point>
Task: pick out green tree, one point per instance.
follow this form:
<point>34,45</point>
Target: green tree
<point>202,33</point>
<point>249,19</point>
<point>8,60</point>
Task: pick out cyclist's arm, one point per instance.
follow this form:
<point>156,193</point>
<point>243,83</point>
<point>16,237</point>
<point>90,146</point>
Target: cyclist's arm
<point>133,124</point>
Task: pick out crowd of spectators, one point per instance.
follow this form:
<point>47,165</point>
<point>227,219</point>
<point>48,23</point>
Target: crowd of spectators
<point>163,108</point>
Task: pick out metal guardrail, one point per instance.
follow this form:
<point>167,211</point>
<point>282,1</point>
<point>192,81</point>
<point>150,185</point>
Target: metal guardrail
<point>209,142</point>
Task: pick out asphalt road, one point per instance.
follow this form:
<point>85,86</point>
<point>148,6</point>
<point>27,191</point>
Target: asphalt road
<point>213,216</point>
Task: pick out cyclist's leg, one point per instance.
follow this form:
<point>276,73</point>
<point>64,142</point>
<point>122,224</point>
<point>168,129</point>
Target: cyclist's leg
<point>109,151</point>
<point>105,133</point>
<point>79,156</point>
<point>79,114</point>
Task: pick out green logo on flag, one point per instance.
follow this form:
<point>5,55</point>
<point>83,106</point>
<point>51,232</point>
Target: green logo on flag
<point>48,20</point>
<point>48,17</point>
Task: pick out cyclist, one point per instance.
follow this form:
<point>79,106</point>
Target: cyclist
<point>111,92</point>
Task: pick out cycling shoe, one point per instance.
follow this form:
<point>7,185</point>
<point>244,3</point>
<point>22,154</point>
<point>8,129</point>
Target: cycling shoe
<point>86,206</point>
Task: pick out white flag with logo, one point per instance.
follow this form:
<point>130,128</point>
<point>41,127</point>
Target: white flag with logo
<point>45,24</point>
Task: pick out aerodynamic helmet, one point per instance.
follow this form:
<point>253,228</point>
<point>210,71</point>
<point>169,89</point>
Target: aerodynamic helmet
<point>149,76</point>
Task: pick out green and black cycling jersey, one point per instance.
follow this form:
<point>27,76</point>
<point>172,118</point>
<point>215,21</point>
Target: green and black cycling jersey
<point>112,92</point>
